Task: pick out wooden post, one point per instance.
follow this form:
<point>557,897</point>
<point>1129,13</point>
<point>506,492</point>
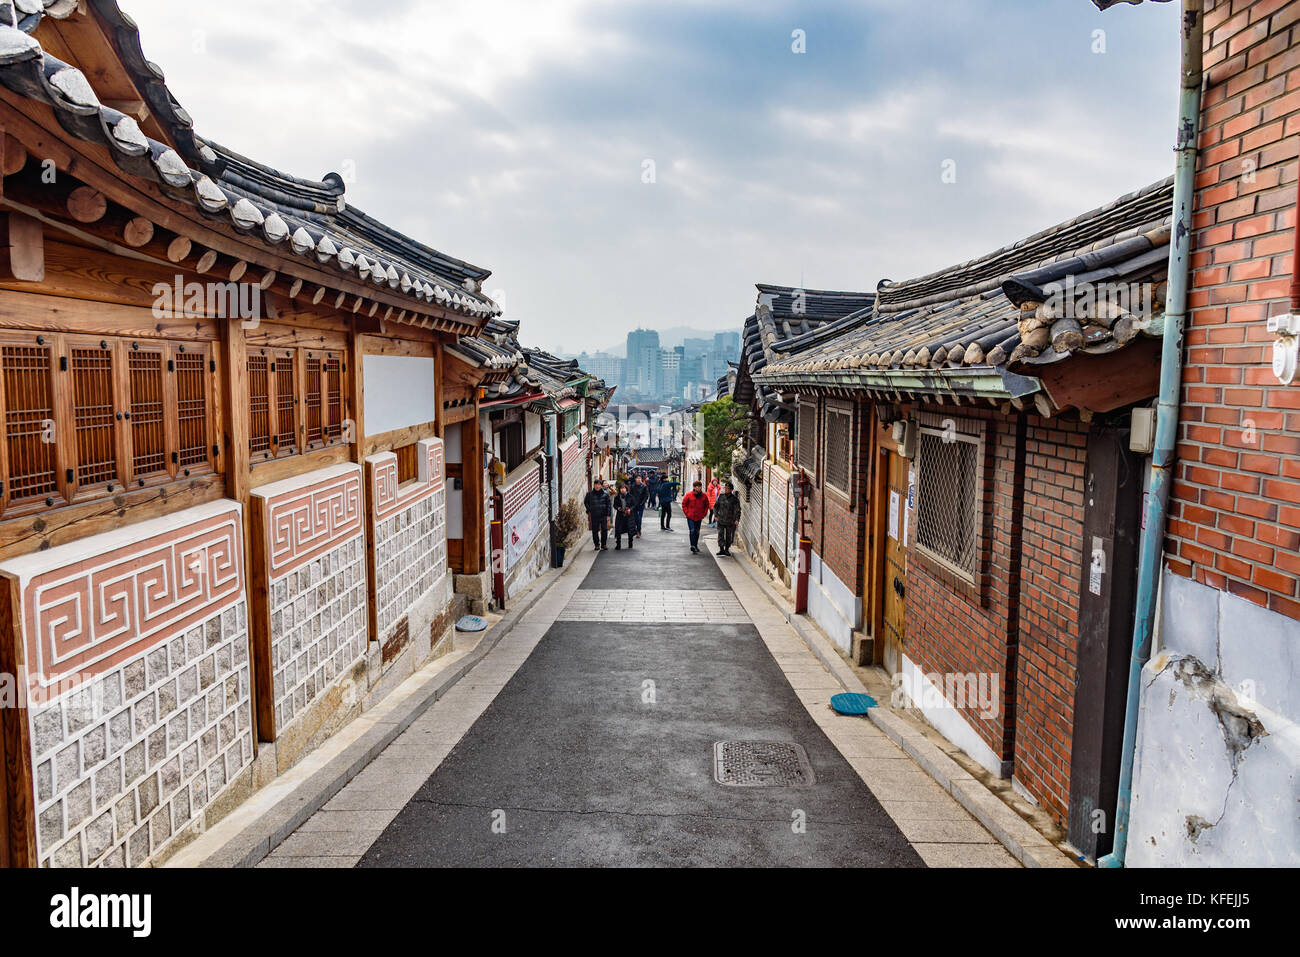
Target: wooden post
<point>356,369</point>
<point>234,356</point>
<point>259,626</point>
<point>471,457</point>
<point>17,795</point>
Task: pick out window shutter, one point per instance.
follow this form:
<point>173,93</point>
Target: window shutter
<point>92,395</point>
<point>285,397</point>
<point>334,395</point>
<point>29,423</point>
<point>259,407</point>
<point>148,425</point>
<point>191,408</point>
<point>314,410</point>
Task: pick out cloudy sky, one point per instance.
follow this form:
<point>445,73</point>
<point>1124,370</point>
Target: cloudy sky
<point>520,134</point>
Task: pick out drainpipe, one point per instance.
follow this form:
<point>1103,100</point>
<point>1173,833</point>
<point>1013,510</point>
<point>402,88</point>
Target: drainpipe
<point>1151,548</point>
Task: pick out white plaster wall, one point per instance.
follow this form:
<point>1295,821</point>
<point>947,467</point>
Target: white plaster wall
<point>832,604</point>
<point>1217,778</point>
<point>945,718</point>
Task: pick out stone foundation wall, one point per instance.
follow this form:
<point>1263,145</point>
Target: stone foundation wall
<point>311,545</point>
<point>138,709</point>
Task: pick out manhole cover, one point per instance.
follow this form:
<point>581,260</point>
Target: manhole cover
<point>761,764</point>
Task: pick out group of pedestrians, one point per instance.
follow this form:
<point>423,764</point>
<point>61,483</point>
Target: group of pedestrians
<point>626,508</point>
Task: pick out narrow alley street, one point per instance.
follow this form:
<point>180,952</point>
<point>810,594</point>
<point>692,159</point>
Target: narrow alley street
<point>587,737</point>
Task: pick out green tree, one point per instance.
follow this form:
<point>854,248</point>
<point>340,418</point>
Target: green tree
<point>722,425</point>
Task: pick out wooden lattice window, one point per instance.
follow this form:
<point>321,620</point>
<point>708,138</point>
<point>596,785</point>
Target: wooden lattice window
<point>259,407</point>
<point>806,437</point>
<point>192,445</point>
<point>30,469</point>
<point>839,448</point>
<point>285,403</point>
<point>297,402</point>
<point>87,417</point>
<point>147,372</point>
<point>313,393</point>
<point>334,397</point>
<point>93,416</point>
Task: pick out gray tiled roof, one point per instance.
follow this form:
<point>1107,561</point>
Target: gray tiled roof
<point>970,315</point>
<point>297,217</point>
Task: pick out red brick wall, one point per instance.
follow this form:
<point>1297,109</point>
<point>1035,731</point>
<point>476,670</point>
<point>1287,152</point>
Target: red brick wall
<point>1051,573</point>
<point>839,523</point>
<point>948,632</point>
<point>1234,519</point>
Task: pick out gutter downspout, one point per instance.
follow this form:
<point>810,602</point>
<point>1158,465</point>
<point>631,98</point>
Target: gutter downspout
<point>1151,549</point>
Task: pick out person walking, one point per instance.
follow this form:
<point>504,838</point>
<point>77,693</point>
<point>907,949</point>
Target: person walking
<point>599,509</point>
<point>712,492</point>
<point>640,494</point>
<point>623,520</point>
<point>727,510</point>
<point>666,492</point>
<point>695,506</point>
<point>652,492</point>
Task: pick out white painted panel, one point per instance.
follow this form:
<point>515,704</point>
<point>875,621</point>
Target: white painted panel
<point>532,431</point>
<point>455,512</point>
<point>399,392</point>
<point>451,444</point>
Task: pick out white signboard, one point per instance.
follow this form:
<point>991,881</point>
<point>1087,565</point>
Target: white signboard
<point>399,392</point>
<point>521,529</point>
<point>893,514</point>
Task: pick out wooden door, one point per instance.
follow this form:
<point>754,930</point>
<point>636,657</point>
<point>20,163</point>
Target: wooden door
<point>894,585</point>
<point>456,502</point>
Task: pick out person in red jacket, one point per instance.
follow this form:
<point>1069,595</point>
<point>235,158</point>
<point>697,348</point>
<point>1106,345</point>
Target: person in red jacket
<point>695,505</point>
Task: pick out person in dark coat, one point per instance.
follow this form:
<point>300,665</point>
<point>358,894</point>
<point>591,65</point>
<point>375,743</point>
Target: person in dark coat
<point>652,492</point>
<point>667,494</point>
<point>624,522</point>
<point>599,511</point>
<point>727,511</point>
<point>640,494</point>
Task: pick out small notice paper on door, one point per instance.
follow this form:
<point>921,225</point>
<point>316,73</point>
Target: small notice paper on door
<point>893,514</point>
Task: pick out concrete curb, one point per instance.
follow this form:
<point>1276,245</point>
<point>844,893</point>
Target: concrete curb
<point>250,845</point>
<point>1016,834</point>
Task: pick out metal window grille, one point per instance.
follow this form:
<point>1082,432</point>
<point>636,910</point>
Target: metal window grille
<point>839,448</point>
<point>949,491</point>
<point>806,438</point>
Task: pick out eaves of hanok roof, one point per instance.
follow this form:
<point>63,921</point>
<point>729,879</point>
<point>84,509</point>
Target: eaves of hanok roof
<point>306,227</point>
<point>1032,304</point>
<point>495,349</point>
<point>788,320</point>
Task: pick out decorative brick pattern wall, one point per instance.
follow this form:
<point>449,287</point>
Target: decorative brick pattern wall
<point>140,715</point>
<point>1234,520</point>
<point>1052,566</point>
<point>314,555</point>
<point>410,538</point>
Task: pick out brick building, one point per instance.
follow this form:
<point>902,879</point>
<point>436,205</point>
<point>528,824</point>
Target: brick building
<point>970,483</point>
<point>1218,755</point>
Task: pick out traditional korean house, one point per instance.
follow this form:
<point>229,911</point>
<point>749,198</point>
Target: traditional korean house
<point>974,451</point>
<point>222,521</point>
<point>536,443</point>
<point>783,316</point>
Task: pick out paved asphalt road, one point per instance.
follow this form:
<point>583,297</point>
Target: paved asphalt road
<point>573,765</point>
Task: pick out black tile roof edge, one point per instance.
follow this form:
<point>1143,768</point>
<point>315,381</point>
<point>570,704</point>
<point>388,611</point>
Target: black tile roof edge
<point>26,69</point>
<point>982,273</point>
